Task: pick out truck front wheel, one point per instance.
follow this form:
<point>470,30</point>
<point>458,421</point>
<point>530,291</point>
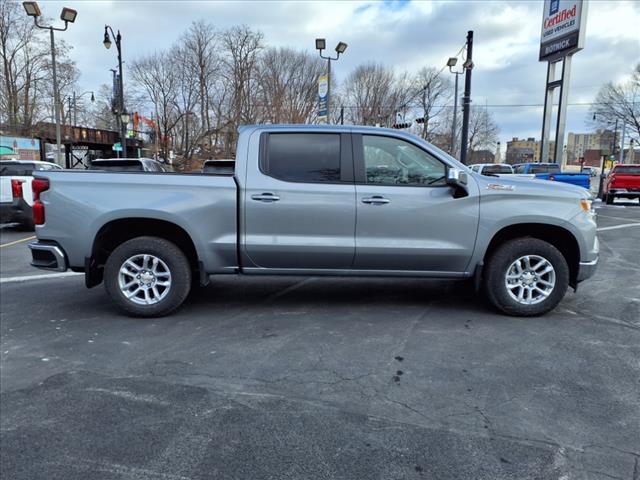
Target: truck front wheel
<point>147,277</point>
<point>526,277</point>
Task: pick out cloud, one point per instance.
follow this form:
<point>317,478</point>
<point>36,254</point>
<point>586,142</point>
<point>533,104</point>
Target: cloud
<point>405,35</point>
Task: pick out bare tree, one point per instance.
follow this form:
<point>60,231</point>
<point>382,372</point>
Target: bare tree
<point>621,102</point>
<point>202,65</point>
<point>25,68</point>
<point>371,94</point>
<point>433,91</point>
<point>483,130</point>
<point>288,85</point>
<point>160,81</point>
<point>241,48</point>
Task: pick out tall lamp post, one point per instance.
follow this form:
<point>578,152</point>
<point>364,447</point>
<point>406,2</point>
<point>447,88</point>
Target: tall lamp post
<point>68,15</point>
<point>122,111</point>
<point>321,44</point>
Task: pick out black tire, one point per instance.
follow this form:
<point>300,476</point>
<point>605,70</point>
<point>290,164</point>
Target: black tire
<point>608,199</point>
<point>170,254</point>
<point>497,266</point>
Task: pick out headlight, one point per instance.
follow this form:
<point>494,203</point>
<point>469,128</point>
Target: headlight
<point>587,205</point>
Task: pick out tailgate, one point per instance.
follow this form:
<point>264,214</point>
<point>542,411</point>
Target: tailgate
<point>625,181</point>
<point>5,190</point>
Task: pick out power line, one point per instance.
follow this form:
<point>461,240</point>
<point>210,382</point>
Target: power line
<point>509,105</point>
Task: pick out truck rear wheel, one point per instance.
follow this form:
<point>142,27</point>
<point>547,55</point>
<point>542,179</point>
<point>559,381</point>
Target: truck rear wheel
<point>526,277</point>
<point>147,277</point>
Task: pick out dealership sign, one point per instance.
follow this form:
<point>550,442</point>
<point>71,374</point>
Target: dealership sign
<point>563,24</point>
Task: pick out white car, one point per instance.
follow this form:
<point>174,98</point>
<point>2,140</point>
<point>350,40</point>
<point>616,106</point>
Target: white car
<point>490,169</point>
<point>16,197</point>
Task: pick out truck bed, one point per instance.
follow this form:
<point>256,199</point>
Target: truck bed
<point>79,203</point>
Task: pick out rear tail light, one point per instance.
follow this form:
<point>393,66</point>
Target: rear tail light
<point>38,185</point>
<point>16,188</point>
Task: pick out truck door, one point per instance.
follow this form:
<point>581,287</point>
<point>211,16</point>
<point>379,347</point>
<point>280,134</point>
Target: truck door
<point>300,202</point>
<point>407,217</point>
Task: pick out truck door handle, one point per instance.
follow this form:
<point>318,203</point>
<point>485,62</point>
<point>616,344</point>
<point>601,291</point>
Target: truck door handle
<point>266,197</point>
<point>376,200</point>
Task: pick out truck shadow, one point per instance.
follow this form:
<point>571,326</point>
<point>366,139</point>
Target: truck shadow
<point>320,292</point>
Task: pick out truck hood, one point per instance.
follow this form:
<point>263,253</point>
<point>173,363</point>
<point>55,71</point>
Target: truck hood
<point>530,186</point>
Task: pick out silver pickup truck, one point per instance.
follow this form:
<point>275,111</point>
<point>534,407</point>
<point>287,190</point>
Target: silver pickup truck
<point>316,200</point>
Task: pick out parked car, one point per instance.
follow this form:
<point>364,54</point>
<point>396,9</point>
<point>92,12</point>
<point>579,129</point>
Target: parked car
<point>623,181</point>
<point>129,165</point>
<point>16,198</point>
<point>552,172</point>
<point>492,169</point>
<point>317,200</point>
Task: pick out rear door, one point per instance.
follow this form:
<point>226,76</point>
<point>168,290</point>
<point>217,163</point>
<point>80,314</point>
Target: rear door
<point>300,202</point>
<point>407,217</point>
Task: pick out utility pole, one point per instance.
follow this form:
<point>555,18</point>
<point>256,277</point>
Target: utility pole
<point>466,99</point>
<point>621,157</point>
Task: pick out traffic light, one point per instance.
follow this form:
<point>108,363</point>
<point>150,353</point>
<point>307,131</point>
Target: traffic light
<point>420,120</point>
<point>401,125</point>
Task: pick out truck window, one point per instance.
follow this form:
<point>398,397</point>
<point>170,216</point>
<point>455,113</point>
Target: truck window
<point>391,161</point>
<point>303,157</point>
<point>16,169</point>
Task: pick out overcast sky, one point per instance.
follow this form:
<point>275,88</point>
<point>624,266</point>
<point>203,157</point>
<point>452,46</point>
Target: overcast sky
<point>402,34</point>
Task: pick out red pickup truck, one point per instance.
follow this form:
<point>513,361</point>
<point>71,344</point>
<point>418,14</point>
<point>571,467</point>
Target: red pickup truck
<point>623,181</point>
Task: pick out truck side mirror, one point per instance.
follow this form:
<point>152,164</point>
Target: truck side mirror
<point>457,179</point>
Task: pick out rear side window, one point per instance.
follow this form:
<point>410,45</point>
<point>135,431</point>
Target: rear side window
<point>627,170</point>
<point>544,169</point>
<point>16,170</point>
<point>494,169</point>
<point>303,157</point>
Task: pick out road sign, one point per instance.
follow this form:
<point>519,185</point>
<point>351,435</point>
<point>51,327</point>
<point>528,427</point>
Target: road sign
<point>117,147</point>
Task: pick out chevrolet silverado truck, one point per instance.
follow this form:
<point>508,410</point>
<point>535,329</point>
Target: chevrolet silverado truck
<point>553,173</point>
<point>623,181</point>
<point>316,200</point>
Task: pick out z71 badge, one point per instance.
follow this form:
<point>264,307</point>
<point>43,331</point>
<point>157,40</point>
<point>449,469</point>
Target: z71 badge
<point>498,186</point>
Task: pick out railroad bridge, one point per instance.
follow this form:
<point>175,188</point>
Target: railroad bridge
<point>78,140</point>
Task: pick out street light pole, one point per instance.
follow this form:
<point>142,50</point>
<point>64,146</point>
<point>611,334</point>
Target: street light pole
<point>56,96</point>
<point>340,48</point>
<point>466,100</point>
<point>68,15</point>
<point>121,109</point>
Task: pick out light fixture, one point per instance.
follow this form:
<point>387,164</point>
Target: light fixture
<point>452,62</point>
<point>32,9</point>
<point>68,15</point>
<point>107,41</point>
<point>341,47</point>
<point>320,44</point>
<point>468,64</point>
<point>124,116</point>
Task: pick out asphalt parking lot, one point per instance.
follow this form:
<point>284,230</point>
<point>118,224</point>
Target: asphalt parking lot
<point>294,378</point>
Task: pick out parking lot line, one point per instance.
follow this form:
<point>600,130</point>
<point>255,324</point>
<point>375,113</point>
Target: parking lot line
<point>615,227</point>
<point>17,241</point>
<point>26,278</point>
